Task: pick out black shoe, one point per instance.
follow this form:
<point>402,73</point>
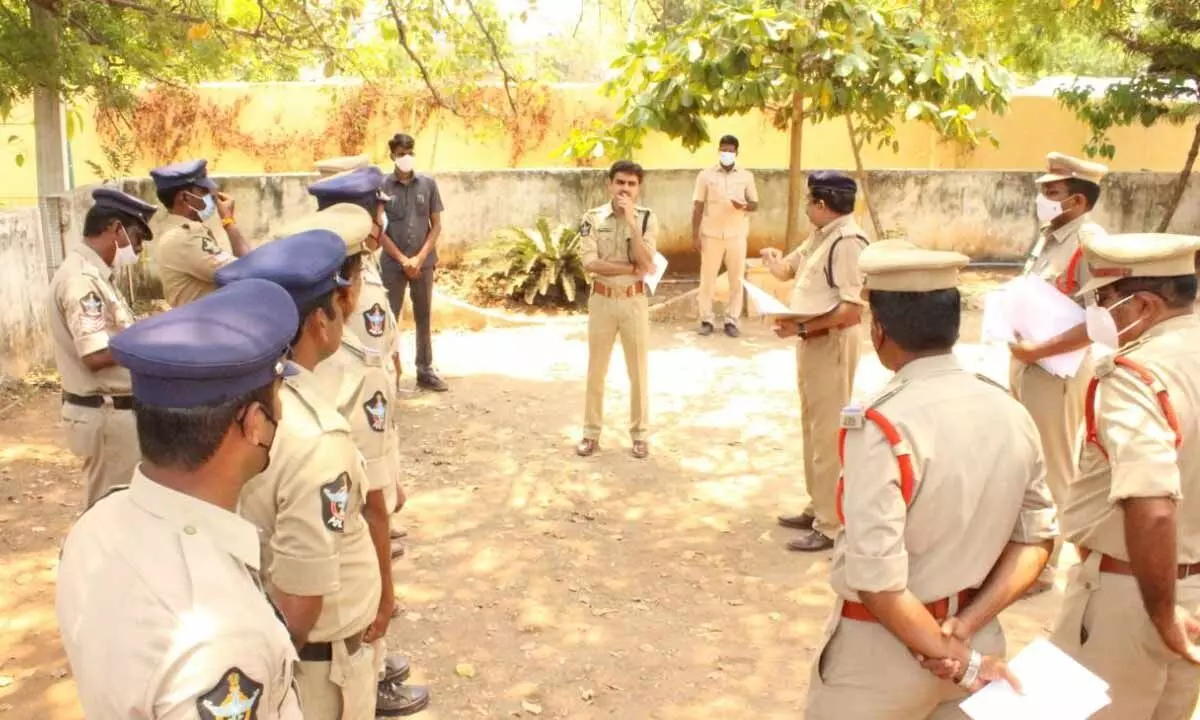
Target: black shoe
<point>706,329</point>
<point>797,522</point>
<point>430,381</point>
<point>811,541</point>
<point>396,700</point>
<point>396,669</point>
<point>732,330</point>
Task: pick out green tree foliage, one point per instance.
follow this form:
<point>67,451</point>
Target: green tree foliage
<point>1164,36</point>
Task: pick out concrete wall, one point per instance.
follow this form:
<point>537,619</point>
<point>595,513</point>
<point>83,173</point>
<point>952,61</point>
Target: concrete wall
<point>24,339</point>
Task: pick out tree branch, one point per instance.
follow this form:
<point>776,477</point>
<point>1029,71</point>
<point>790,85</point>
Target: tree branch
<point>412,55</point>
<point>495,49</point>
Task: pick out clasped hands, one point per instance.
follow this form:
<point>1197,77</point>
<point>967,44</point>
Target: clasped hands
<point>952,667</point>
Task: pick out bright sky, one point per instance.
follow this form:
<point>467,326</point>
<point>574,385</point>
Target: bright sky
<point>549,18</point>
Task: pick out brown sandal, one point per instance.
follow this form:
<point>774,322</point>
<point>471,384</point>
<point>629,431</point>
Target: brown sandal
<point>587,447</point>
<point>641,449</point>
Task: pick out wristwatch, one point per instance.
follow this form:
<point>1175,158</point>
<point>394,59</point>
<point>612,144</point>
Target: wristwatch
<point>971,674</point>
<point>801,331</point>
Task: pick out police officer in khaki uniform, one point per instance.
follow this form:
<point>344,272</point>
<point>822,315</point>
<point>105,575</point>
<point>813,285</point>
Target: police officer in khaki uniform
<point>933,548</point>
<point>618,245</point>
<point>355,381</point>
<point>1066,195</point>
<point>86,312</point>
<point>1132,510</point>
<point>308,505</point>
<point>189,253</point>
<point>160,606</point>
<point>828,295</point>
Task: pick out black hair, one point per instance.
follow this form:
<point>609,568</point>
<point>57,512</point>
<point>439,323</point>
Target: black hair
<point>324,303</point>
<point>1177,291</point>
<point>99,218</point>
<point>1089,190</point>
<point>626,167</point>
<point>728,140</point>
<point>167,196</point>
<point>187,438</point>
<point>401,141</point>
<point>839,201</point>
<point>919,321</point>
<point>351,266</point>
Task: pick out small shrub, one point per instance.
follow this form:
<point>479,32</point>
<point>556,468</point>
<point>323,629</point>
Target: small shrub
<point>539,265</point>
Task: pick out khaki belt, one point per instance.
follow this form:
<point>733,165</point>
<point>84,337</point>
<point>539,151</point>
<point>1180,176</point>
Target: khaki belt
<point>822,333</point>
<point>323,651</point>
<point>119,402</point>
<point>939,609</point>
<point>1114,566</point>
<point>638,288</point>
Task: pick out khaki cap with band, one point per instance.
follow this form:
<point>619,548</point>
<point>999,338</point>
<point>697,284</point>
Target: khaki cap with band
<point>900,266</point>
<point>1064,167</point>
<point>345,163</point>
<point>1115,257</point>
<point>350,222</point>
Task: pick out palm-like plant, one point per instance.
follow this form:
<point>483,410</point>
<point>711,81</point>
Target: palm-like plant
<point>541,262</point>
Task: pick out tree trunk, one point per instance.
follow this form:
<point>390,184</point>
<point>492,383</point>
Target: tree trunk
<point>1183,180</point>
<point>856,147</point>
<point>796,190</point>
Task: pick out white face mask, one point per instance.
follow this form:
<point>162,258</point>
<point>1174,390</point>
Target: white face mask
<point>1047,209</point>
<point>126,255</point>
<point>210,205</point>
<point>1102,328</point>
<point>405,163</point>
<point>727,159</point>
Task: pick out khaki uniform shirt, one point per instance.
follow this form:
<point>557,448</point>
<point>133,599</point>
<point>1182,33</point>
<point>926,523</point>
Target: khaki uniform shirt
<point>814,294</point>
<point>604,235</point>
<point>1142,458</point>
<point>188,255</point>
<point>980,484</point>
<point>354,378</point>
<point>86,311</point>
<point>1052,254</point>
<point>715,187</point>
<point>162,616</point>
<point>308,508</point>
<point>373,322</point>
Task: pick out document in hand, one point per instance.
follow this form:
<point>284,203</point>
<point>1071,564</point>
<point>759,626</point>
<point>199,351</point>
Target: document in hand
<point>1032,308</point>
<point>660,269</point>
<point>1053,687</point>
<point>766,303</point>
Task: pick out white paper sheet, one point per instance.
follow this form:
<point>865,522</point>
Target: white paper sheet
<point>767,303</point>
<point>660,268</point>
<point>1054,687</point>
<point>1034,309</point>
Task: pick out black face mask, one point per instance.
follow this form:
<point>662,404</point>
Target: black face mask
<point>267,447</point>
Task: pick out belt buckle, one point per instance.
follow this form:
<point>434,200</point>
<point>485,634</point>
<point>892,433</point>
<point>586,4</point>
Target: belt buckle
<point>1186,571</point>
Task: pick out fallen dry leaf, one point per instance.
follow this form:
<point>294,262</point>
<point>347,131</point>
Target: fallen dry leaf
<point>466,670</point>
<point>531,708</point>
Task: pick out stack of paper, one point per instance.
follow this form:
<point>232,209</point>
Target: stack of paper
<point>1053,687</point>
<point>1032,308</point>
<point>660,268</point>
<point>766,303</point>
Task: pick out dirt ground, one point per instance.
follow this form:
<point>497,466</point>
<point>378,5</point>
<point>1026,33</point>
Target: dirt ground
<point>536,582</point>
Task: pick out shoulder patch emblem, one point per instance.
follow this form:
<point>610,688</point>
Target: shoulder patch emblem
<point>375,319</point>
<point>91,305</point>
<point>209,245</point>
<point>585,229</point>
<point>334,498</point>
<point>235,697</point>
<point>853,417</point>
<point>376,409</point>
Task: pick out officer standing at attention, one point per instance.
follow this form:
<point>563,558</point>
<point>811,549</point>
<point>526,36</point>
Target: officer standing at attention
<point>618,245</point>
<point>159,601</point>
<point>189,254</point>
<point>1066,195</point>
<point>721,205</point>
<point>356,382</point>
<point>828,295</point>
<point>928,536</point>
<point>414,225</point>
<point>1132,509</point>
<point>86,312</point>
<point>321,566</point>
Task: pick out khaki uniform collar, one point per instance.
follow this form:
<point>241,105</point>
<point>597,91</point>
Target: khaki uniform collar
<point>927,366</point>
<point>1170,326</point>
<point>834,227</point>
<point>192,516</point>
<point>93,258</point>
<point>306,383</point>
<point>1069,229</point>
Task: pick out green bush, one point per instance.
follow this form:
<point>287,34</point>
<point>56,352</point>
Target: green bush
<point>538,266</point>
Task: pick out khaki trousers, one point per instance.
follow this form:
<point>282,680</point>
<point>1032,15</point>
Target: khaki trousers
<point>341,690</point>
<point>1056,406</point>
<point>106,440</point>
<point>825,375</point>
<point>1104,626</point>
<point>863,672</point>
<point>713,251</point>
<point>608,318</point>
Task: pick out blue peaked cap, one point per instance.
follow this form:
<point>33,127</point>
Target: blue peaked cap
<point>305,264</point>
<point>219,347</point>
<point>182,174</point>
<point>359,186</point>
